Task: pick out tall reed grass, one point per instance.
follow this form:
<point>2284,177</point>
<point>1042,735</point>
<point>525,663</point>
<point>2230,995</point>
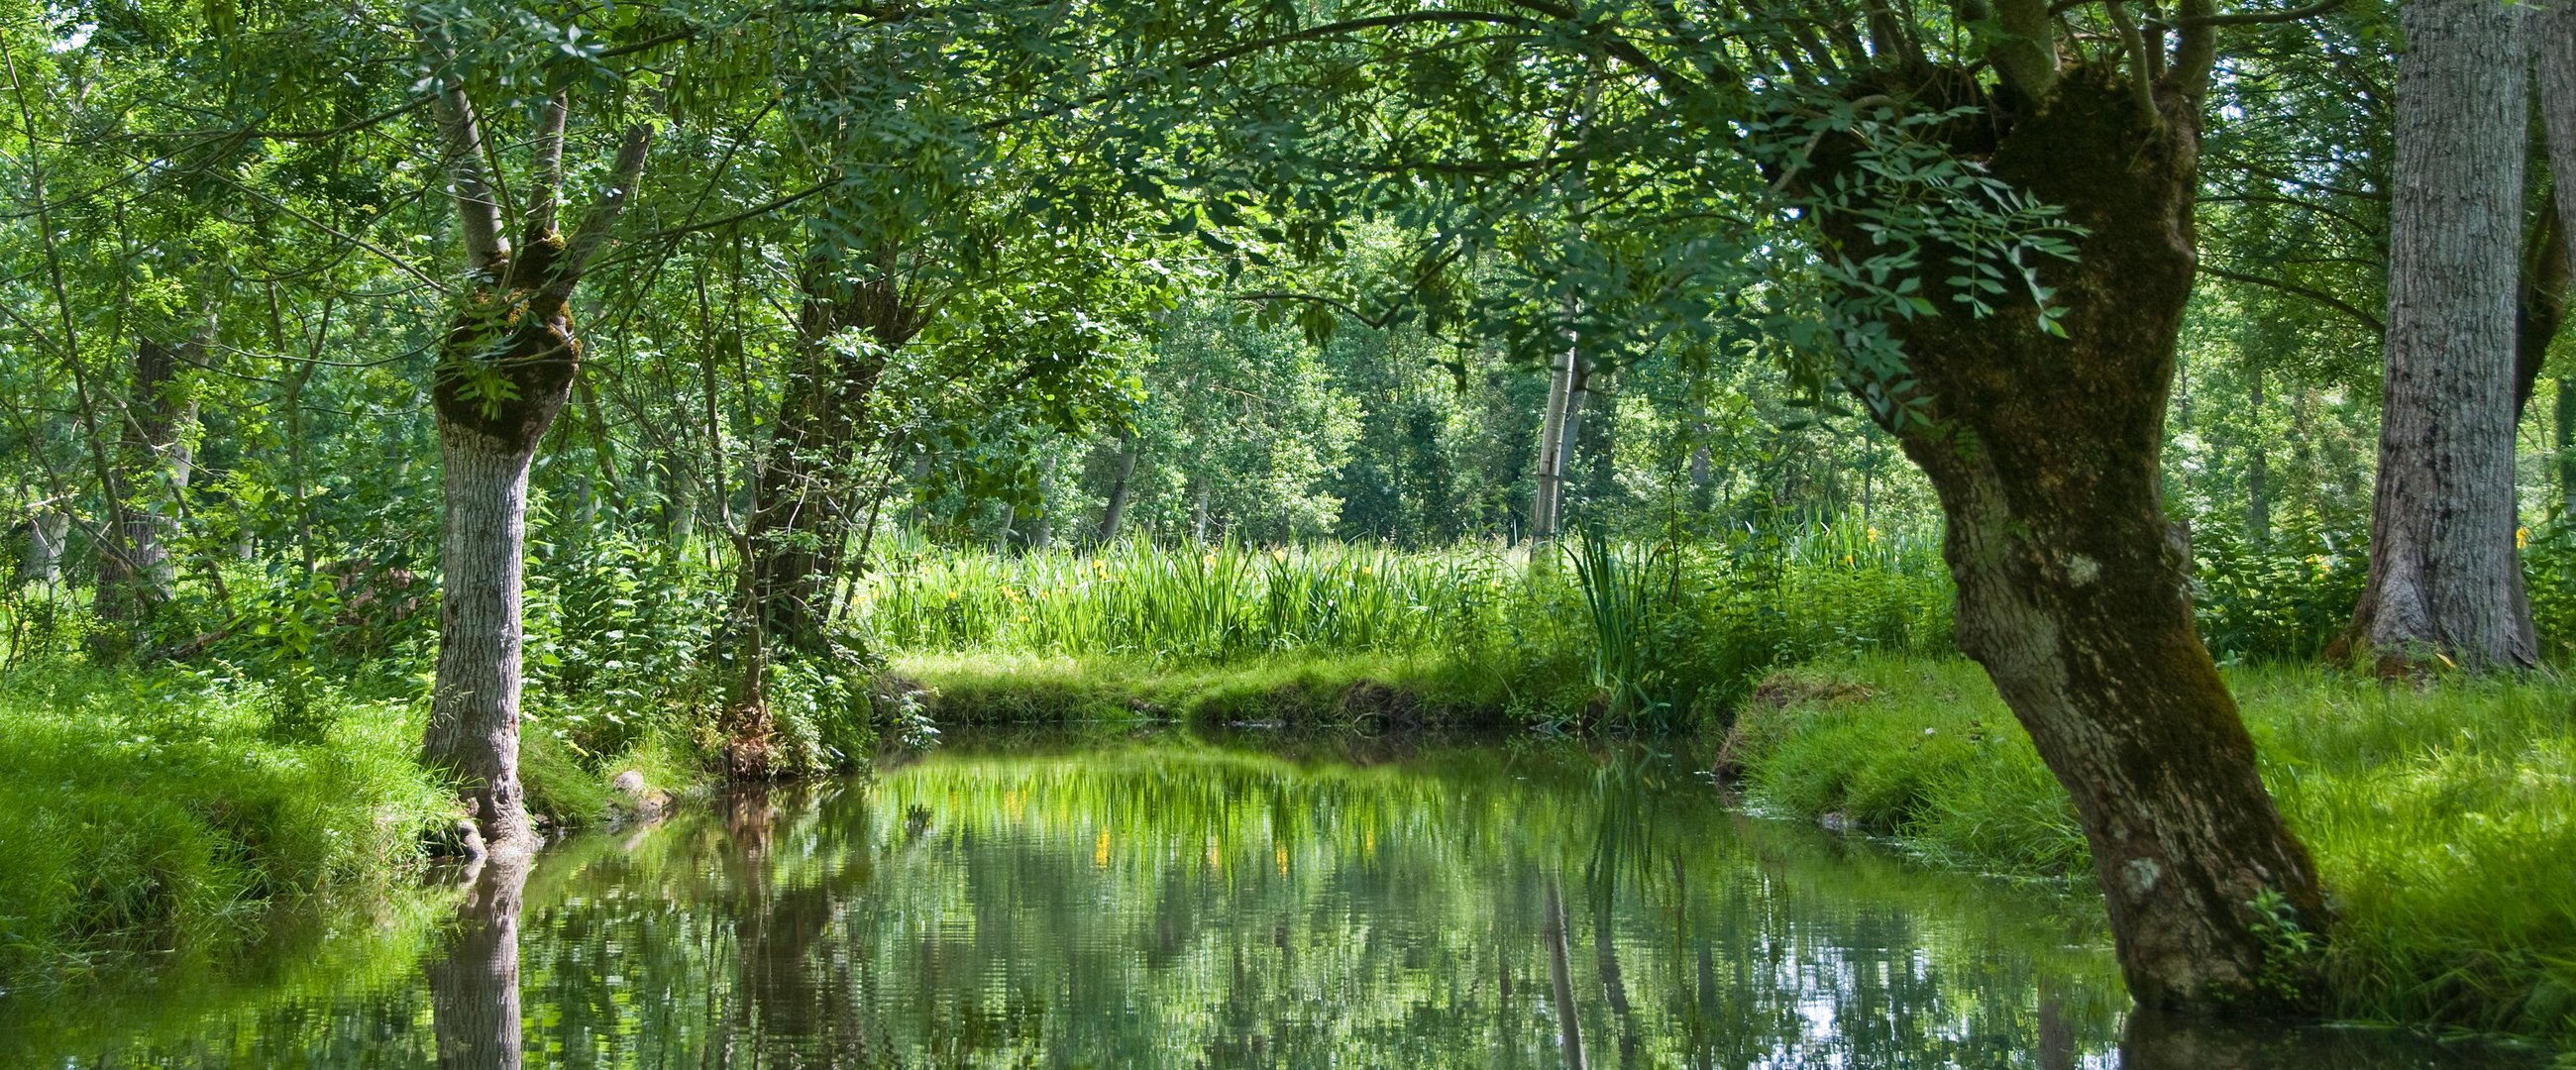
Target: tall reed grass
<point>1592,629</point>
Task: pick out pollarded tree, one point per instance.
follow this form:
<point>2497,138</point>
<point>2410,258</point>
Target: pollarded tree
<point>505,367</point>
<point>1990,209</point>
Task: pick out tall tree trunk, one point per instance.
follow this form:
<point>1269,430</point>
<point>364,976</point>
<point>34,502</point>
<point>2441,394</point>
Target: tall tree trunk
<point>801,516</point>
<point>1118,492</point>
<point>1551,430</point>
<point>505,369</point>
<point>2258,469</point>
<point>2552,28</point>
<point>2540,304</point>
<point>2445,579</point>
<point>1199,515</point>
<point>2072,590</point>
<point>1569,432</point>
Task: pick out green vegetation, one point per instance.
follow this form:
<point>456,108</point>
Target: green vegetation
<point>2439,817</point>
<point>169,812</point>
<point>1660,636</point>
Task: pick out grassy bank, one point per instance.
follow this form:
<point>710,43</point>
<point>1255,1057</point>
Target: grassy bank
<point>2443,820</point>
<point>1656,635</point>
<point>173,812</point>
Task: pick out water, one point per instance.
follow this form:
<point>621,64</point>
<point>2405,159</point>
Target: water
<point>1168,900</point>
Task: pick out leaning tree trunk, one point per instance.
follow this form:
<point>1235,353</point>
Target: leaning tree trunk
<point>2071,587</point>
<point>2445,578</point>
<point>1116,509</point>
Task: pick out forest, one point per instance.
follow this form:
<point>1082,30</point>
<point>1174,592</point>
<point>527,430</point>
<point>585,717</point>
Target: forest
<point>1032,532</point>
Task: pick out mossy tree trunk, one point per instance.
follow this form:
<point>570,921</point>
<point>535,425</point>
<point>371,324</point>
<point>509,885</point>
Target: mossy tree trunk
<point>802,513</point>
<point>505,369</point>
<point>2072,585</point>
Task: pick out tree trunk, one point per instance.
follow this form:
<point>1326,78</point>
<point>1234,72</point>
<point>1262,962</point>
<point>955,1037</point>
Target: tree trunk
<point>2445,578</point>
<point>1569,432</point>
<point>2540,305</point>
<point>1118,492</point>
<point>135,569</point>
<point>2553,40</point>
<point>801,517</point>
<point>1199,514</point>
<point>2072,591</point>
<point>1551,429</point>
<point>474,987</point>
<point>2258,469</point>
<point>49,530</point>
<point>474,720</point>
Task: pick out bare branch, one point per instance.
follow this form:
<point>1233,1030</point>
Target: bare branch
<point>547,198</point>
<point>2376,325</point>
<point>623,174</point>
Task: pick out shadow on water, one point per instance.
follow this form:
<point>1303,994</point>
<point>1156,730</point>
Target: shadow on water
<point>1172,900</point>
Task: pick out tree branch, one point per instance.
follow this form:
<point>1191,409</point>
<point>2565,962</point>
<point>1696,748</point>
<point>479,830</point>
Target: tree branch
<point>478,211</point>
<point>2376,325</point>
<point>623,174</point>
<point>547,198</point>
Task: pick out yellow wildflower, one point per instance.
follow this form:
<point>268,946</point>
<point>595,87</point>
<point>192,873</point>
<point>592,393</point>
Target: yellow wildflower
<point>952,596</point>
<point>1847,560</point>
<point>2521,538</point>
<point>1279,553</point>
<point>1365,573</point>
<point>1873,535</point>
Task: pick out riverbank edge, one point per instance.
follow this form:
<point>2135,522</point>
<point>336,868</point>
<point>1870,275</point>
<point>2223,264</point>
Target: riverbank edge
<point>181,812</point>
<point>2440,818</point>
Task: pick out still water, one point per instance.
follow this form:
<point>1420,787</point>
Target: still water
<point>1165,899</point>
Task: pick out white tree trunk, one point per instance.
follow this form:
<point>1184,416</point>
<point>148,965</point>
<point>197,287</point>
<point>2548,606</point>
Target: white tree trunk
<point>474,711</point>
<point>2445,578</point>
<point>1551,428</point>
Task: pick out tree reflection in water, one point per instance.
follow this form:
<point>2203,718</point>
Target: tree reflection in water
<point>474,987</point>
<point>1187,901</point>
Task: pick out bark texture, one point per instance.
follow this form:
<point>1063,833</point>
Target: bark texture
<point>2072,585</point>
<point>1119,491</point>
<point>801,518</point>
<point>2445,578</point>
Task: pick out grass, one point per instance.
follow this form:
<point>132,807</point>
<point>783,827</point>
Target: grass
<point>2442,820</point>
<point>167,812</point>
<point>1655,635</point>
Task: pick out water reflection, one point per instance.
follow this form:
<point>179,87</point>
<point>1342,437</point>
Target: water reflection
<point>1181,902</point>
<point>474,987</point>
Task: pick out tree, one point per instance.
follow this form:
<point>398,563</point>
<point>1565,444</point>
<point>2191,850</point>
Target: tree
<point>505,368</point>
<point>2445,578</point>
<point>1996,269</point>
